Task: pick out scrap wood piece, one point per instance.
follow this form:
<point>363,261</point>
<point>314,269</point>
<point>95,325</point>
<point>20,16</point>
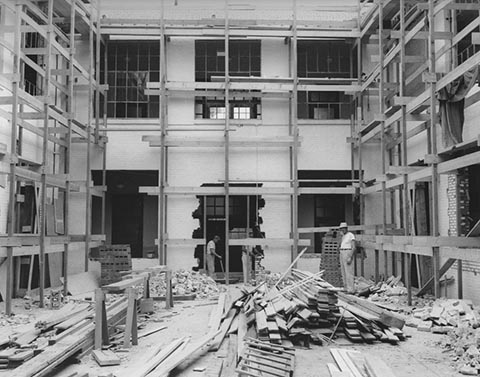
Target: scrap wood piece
<point>242,333</point>
<point>343,361</point>
<point>217,312</point>
<point>261,321</point>
<point>218,339</point>
<point>64,325</point>
<point>335,372</point>
<point>105,358</point>
<point>173,361</point>
<point>376,367</point>
<point>21,356</point>
<point>26,337</point>
<point>145,366</point>
<point>144,333</point>
<point>63,334</point>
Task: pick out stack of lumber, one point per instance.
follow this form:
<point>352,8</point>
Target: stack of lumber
<point>38,348</point>
<point>356,364</point>
<point>444,315</point>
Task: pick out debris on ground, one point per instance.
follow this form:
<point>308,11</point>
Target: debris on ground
<point>185,283</point>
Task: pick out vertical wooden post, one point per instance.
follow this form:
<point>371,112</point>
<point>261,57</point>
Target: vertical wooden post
<point>436,271</point>
<point>227,146</point>
<point>68,148</point>
<point>168,293</point>
<point>406,270</point>
<point>381,105</point>
<point>88,165</point>
<point>162,255</point>
<point>460,278</point>
<point>13,157</point>
<point>433,140</point>
<point>101,329</point>
<point>295,132</point>
<point>45,167</point>
<point>131,331</point>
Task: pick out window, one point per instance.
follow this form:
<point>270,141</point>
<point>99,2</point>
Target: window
<point>244,60</point>
<point>130,65</point>
<point>323,105</point>
<point>240,108</point>
<point>325,59</point>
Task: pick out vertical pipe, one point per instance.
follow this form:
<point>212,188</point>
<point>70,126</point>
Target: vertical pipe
<point>13,157</point>
<point>382,127</point>
<point>88,190</point>
<point>294,154</point>
<point>45,167</point>
<point>433,123</point>
<point>68,151</point>
<point>227,147</point>
<point>161,173</point>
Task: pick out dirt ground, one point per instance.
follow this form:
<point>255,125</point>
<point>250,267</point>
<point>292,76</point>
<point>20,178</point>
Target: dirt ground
<point>419,355</point>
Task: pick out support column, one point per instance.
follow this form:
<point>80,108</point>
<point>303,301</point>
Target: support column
<point>45,165</point>
<point>13,157</point>
<point>162,255</point>
<point>294,133</point>
<point>227,148</point>
<point>433,141</point>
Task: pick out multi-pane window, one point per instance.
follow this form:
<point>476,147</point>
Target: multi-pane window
<point>214,108</point>
<point>130,66</point>
<point>244,60</point>
<point>325,59</point>
<point>323,105</point>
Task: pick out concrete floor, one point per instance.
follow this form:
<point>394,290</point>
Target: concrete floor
<point>417,356</point>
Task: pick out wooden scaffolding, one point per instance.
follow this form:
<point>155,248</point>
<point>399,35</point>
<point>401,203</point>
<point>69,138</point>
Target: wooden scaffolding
<point>406,81</point>
<point>228,28</point>
<point>42,39</point>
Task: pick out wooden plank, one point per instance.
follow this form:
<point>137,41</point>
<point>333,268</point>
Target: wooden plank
<point>261,321</point>
<point>217,313</point>
<point>105,358</point>
<point>242,333</point>
<point>127,283</point>
<point>218,339</point>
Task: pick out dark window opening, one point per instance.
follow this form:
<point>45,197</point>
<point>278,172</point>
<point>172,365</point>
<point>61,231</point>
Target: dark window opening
<point>214,108</point>
<point>323,105</point>
<point>32,80</point>
<point>130,65</point>
<point>318,59</point>
<point>244,59</point>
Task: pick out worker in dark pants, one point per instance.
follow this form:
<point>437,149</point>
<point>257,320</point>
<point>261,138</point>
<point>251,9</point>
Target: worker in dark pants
<point>347,252</point>
<point>211,254</point>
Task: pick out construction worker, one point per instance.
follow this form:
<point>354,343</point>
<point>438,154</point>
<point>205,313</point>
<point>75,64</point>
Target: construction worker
<point>347,252</point>
<point>211,254</point>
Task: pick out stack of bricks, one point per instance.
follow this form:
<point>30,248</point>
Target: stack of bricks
<point>114,260</point>
<point>330,262</point>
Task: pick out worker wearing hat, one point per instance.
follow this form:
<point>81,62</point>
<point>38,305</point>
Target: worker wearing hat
<point>347,251</point>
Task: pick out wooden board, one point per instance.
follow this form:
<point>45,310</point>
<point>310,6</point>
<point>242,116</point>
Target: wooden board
<point>105,358</point>
<point>376,367</point>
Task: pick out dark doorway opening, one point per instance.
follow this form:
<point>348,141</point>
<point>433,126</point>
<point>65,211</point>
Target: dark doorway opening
<point>244,221</point>
<point>131,217</point>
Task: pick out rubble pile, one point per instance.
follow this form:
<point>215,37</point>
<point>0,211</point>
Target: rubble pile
<point>464,344</point>
<point>185,283</point>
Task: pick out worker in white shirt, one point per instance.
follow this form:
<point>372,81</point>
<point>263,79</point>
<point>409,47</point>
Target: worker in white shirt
<point>211,254</point>
<point>347,252</point>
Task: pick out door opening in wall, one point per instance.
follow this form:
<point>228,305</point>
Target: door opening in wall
<point>131,217</point>
<point>244,221</point>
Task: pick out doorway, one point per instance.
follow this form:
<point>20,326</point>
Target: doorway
<point>127,222</point>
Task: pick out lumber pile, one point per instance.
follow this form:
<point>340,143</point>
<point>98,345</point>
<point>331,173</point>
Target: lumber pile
<point>36,349</point>
<point>357,364</point>
<point>185,283</point>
